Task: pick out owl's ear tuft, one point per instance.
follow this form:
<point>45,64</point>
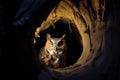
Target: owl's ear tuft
<point>48,36</point>
<point>63,36</point>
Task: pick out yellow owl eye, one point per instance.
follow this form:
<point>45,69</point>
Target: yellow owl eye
<point>51,43</point>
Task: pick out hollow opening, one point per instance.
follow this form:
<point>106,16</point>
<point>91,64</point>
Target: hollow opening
<point>73,40</point>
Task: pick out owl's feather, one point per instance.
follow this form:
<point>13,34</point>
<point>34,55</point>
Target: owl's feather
<point>53,54</point>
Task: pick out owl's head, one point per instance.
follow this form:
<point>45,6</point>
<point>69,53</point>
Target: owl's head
<point>55,46</point>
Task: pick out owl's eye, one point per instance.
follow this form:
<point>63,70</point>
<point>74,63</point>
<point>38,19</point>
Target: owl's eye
<point>60,43</point>
<point>51,43</point>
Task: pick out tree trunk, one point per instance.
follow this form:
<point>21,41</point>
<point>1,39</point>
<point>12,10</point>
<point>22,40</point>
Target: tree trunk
<point>92,28</point>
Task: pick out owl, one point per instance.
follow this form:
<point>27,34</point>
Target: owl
<point>53,54</point>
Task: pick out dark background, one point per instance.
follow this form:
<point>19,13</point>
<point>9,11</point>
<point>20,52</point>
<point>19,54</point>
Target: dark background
<point>16,30</point>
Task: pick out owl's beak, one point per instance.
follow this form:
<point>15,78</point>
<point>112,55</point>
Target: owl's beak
<point>55,48</point>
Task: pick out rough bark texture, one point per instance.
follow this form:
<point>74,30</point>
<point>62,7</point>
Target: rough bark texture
<point>97,22</point>
<point>94,21</point>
